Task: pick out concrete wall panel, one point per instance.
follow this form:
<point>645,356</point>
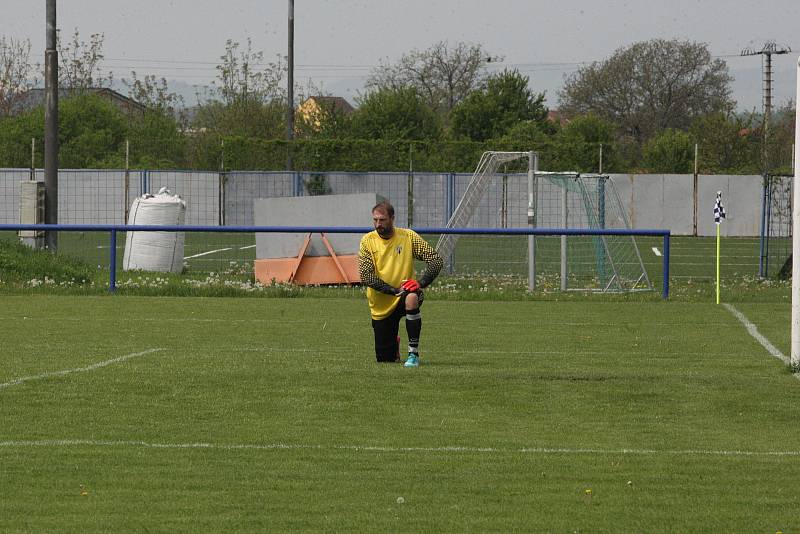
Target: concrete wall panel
<point>327,210</point>
<point>664,201</point>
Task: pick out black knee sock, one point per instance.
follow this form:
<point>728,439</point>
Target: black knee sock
<point>413,328</point>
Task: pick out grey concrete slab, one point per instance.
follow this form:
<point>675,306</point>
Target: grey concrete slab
<point>325,210</point>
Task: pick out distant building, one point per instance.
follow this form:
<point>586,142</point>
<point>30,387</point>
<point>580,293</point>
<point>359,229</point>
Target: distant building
<point>35,97</point>
<point>313,109</point>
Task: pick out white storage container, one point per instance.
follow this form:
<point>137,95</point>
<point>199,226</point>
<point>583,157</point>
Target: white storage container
<point>155,251</point>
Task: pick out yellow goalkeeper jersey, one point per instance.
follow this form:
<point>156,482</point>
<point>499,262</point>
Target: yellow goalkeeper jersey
<point>385,263</point>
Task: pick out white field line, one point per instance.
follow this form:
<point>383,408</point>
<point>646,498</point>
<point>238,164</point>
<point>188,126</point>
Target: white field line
<point>248,246</point>
<point>319,322</point>
<point>753,331</point>
<point>98,365</point>
<point>386,449</point>
<point>656,251</point>
<point>342,348</point>
<point>206,253</point>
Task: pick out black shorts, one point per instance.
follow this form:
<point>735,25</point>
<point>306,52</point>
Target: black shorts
<point>387,346</point>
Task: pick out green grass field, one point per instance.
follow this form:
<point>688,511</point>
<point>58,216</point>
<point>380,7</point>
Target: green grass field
<point>216,414</point>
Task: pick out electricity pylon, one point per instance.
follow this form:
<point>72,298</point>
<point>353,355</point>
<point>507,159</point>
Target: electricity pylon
<point>769,49</point>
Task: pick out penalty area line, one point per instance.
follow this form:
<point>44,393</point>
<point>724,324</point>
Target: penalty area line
<point>206,253</point>
<point>758,336</point>
<point>382,449</point>
<point>92,367</point>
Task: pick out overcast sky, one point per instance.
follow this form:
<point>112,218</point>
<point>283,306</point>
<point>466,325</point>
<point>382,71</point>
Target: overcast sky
<point>337,42</point>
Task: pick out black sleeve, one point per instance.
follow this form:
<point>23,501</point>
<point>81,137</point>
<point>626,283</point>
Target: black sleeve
<point>424,252</point>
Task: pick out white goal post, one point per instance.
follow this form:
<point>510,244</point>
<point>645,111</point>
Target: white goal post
<point>795,360</point>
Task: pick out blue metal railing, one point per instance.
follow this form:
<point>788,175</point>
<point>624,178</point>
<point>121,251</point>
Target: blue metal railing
<point>114,228</point>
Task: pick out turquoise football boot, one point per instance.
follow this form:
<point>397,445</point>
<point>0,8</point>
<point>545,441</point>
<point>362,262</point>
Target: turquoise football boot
<point>413,360</point>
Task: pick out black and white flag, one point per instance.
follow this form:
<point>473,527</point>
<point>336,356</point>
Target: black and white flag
<point>719,209</point>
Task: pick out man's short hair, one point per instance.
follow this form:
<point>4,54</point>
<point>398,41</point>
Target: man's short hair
<point>386,207</point>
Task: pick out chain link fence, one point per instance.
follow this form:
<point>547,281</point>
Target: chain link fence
<point>420,199</point>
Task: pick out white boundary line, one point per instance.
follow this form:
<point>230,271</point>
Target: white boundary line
<point>384,449</point>
<point>753,331</point>
<point>98,365</point>
<point>205,253</point>
<point>348,322</point>
<point>343,348</point>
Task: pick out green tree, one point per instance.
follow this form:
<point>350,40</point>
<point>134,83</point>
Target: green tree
<point>92,133</point>
<point>247,98</point>
<point>395,114</point>
<point>589,128</point>
<point>156,141</point>
<point>528,134</point>
<point>781,139</point>
<point>16,73</point>
<point>79,63</point>
<point>15,138</point>
<point>242,117</point>
<point>154,94</point>
<point>504,100</point>
<point>650,86</point>
<point>241,76</point>
<point>671,151</point>
<point>576,146</point>
<point>726,143</point>
<point>156,138</point>
<point>442,75</point>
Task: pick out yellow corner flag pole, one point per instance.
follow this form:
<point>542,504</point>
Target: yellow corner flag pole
<point>717,263</point>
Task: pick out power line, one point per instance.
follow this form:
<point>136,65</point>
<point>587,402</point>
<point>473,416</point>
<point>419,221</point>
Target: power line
<point>188,69</point>
<point>127,62</point>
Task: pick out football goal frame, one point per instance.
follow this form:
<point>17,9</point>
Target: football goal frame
<point>569,201</point>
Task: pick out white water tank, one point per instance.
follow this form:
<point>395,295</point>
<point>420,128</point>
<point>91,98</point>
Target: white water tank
<point>155,251</point>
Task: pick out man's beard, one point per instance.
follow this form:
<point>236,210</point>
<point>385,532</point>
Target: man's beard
<point>384,232</point>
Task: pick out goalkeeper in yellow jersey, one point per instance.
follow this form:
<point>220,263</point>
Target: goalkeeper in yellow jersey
<point>386,264</point>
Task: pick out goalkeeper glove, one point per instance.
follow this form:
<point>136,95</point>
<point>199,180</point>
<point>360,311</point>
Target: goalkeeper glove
<point>410,286</point>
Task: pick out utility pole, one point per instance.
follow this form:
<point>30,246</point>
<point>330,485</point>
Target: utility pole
<point>290,91</point>
<point>51,127</point>
<point>769,49</point>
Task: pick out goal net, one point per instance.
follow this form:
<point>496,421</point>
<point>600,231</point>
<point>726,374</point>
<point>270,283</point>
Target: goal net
<point>775,246</point>
<point>484,174</point>
<point>604,263</point>
<point>560,200</point>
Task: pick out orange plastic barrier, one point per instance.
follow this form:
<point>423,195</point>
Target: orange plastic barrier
<point>309,270</point>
